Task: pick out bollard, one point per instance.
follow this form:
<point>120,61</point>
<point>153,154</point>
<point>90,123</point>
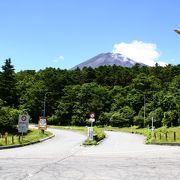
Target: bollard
<point>6,140</point>
<point>154,135</point>
<point>166,135</point>
<point>174,136</point>
<point>12,139</point>
<point>19,138</point>
<point>160,136</point>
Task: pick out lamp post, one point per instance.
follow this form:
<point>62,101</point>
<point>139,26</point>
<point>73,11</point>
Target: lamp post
<point>44,105</point>
<point>177,31</point>
<point>43,121</point>
<point>144,109</point>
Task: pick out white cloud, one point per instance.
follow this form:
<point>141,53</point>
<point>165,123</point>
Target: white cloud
<point>61,58</point>
<point>139,51</point>
<point>58,59</point>
<point>162,63</point>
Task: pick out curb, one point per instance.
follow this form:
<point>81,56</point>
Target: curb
<point>26,144</point>
<point>167,144</point>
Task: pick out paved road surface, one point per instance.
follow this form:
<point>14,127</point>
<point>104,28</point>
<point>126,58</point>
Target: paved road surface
<point>120,156</point>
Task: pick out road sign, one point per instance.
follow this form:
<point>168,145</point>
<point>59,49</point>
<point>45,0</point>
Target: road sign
<point>92,115</point>
<point>23,123</point>
<point>91,119</point>
<point>42,123</point>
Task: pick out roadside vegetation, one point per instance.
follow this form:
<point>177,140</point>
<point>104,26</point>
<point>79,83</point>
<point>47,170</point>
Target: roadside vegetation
<point>72,128</point>
<point>13,138</point>
<point>119,96</point>
<point>99,133</point>
<point>160,135</point>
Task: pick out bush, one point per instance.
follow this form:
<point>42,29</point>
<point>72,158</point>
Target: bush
<point>104,118</point>
<point>123,118</point>
<point>99,134</point>
<point>53,120</point>
<point>138,120</point>
<point>8,118</point>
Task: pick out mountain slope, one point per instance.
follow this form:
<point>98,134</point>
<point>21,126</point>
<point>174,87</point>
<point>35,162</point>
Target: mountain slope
<point>107,59</point>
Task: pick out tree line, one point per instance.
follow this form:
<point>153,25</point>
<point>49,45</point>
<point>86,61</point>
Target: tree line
<point>119,96</point>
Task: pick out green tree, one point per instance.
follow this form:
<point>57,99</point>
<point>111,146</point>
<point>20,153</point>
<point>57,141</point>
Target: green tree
<point>157,114</point>
<point>123,118</point>
<point>8,91</point>
<point>170,118</point>
<point>8,118</point>
<point>65,107</point>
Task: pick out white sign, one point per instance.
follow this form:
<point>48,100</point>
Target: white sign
<point>42,123</point>
<point>90,133</point>
<point>92,115</point>
<point>23,123</point>
<point>91,119</point>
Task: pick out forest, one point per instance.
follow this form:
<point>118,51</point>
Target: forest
<point>119,96</point>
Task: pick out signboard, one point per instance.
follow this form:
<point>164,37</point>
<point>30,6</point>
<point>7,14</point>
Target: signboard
<point>23,123</point>
<point>90,133</point>
<point>92,115</point>
<point>92,118</point>
<point>42,123</point>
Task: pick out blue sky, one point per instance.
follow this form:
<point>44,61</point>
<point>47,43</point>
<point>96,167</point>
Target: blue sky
<point>37,34</point>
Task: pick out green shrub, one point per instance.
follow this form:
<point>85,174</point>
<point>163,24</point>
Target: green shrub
<point>89,142</point>
<point>8,118</point>
<point>98,136</point>
<point>99,133</point>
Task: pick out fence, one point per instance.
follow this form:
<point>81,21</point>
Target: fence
<point>5,139</point>
<point>166,136</point>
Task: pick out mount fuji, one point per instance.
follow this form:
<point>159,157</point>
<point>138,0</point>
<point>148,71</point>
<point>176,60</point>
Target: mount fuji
<point>108,59</point>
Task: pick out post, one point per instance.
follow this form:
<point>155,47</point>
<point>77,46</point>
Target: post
<point>19,138</point>
<point>91,124</point>
<point>152,124</point>
<point>6,140</point>
<point>90,129</point>
<point>44,110</point>
<point>12,139</point>
<point>155,136</point>
<point>166,136</point>
<point>144,109</point>
<point>160,136</point>
<point>174,136</point>
<point>22,136</point>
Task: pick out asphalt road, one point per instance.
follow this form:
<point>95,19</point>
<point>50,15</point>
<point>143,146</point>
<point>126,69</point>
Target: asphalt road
<point>119,156</point>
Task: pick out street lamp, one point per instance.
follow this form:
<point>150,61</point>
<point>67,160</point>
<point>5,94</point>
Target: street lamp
<point>177,31</point>
<point>44,109</point>
<point>144,109</point>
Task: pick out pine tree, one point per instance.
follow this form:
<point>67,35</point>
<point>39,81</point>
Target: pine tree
<point>8,84</point>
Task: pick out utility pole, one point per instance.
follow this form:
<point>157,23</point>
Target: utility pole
<point>144,109</point>
<point>44,105</point>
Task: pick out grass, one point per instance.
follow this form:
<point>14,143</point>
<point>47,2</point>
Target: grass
<point>73,128</point>
<point>98,133</point>
<point>32,136</point>
<point>159,135</point>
